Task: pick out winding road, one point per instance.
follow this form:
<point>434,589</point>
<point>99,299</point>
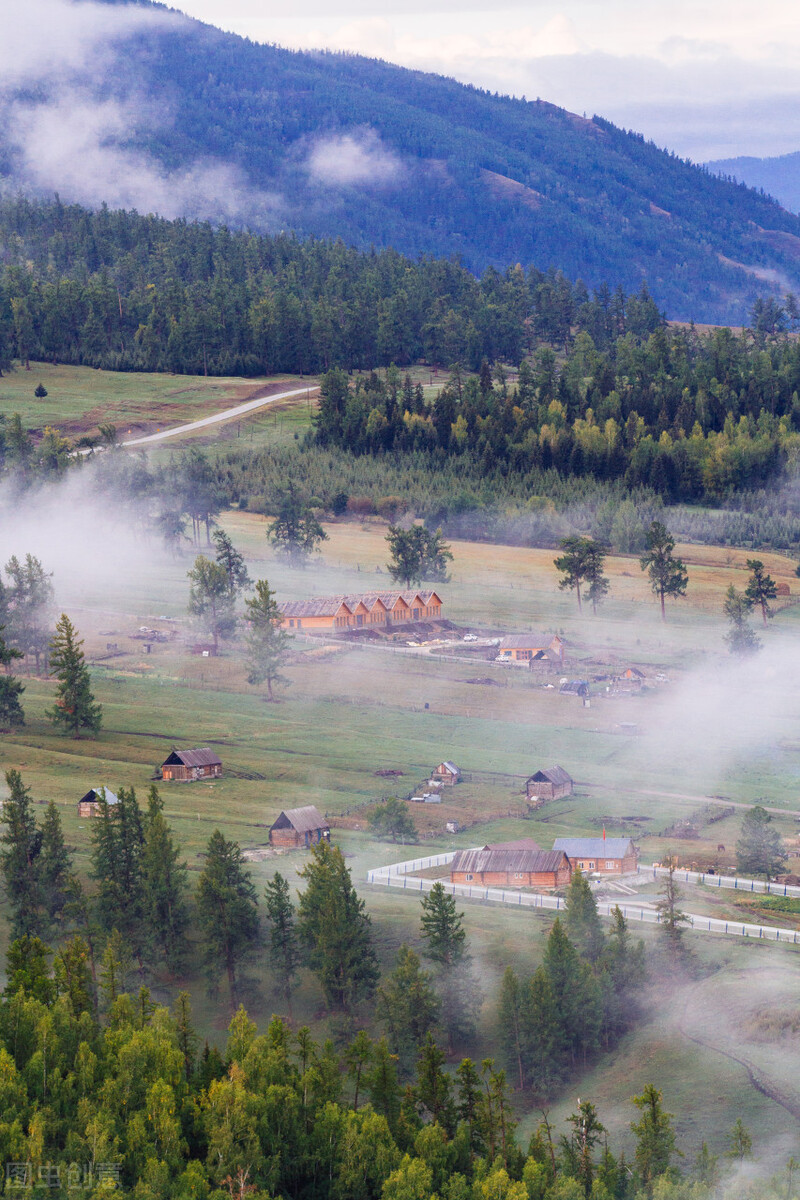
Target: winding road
<point>227,414</point>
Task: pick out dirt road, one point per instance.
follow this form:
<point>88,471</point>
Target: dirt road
<point>227,414</point>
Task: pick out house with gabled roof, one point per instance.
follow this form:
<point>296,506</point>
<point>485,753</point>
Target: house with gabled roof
<point>299,827</point>
<point>185,766</point>
<point>89,805</point>
<point>550,783</point>
<point>600,855</point>
<point>355,611</point>
<point>511,864</point>
<point>447,773</point>
<point>531,647</point>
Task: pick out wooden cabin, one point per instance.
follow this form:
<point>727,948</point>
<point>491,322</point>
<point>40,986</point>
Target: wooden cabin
<point>89,805</point>
<point>336,613</point>
<point>505,865</point>
<point>446,773</point>
<point>551,783</point>
<point>299,827</point>
<point>600,856</point>
<point>185,766</point>
<point>544,648</point>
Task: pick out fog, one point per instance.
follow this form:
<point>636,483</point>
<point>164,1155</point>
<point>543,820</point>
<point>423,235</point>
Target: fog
<point>69,109</point>
<point>353,158</point>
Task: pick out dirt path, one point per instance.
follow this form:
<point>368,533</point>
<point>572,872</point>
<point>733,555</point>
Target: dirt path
<point>723,802</point>
<point>227,414</point>
<point>756,1077</point>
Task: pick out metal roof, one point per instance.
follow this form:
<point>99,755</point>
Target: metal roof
<point>595,847</point>
<point>451,768</point>
<point>475,862</point>
<point>204,757</point>
<point>303,820</point>
<point>554,775</point>
<point>93,796</point>
<point>328,606</point>
<point>528,641</point>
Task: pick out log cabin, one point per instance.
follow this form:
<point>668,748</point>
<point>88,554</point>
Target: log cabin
<point>551,783</point>
<point>372,609</point>
<point>89,805</point>
<point>506,865</point>
<point>299,827</point>
<point>185,766</point>
<point>600,856</point>
<point>446,773</point>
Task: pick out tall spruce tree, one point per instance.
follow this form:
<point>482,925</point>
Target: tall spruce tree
<point>164,887</point>
<point>284,950</point>
<point>55,864</point>
<point>668,575</point>
<point>761,587</point>
<point>231,561</point>
<point>408,1006</point>
<point>227,911</point>
<point>267,642</point>
<point>336,930</point>
<point>445,938</point>
<point>11,713</point>
<point>75,708</point>
<point>20,859</point>
<point>581,920</point>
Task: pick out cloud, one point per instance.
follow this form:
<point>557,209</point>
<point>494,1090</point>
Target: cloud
<point>71,112</point>
<point>346,159</point>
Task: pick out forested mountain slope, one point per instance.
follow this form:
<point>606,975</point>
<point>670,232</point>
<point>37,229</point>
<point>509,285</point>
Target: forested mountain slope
<point>339,145</point>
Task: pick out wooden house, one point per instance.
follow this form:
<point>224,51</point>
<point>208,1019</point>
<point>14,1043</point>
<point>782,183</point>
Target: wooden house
<point>299,827</point>
<point>506,865</point>
<point>600,856</point>
<point>337,613</point>
<point>543,648</point>
<point>551,783</point>
<point>89,805</point>
<point>185,766</point>
<point>446,773</point>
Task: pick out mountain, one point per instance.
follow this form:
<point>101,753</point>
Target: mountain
<point>203,123</point>
<point>779,176</point>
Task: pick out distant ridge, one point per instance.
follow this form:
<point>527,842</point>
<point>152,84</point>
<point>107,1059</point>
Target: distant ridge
<point>778,176</point>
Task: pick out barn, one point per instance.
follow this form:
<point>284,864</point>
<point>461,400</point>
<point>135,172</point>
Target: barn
<point>447,773</point>
<point>89,805</point>
<point>188,765</point>
<point>551,783</point>
<point>299,827</point>
<point>508,865</point>
<point>601,856</point>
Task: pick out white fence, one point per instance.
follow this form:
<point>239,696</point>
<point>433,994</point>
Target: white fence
<point>757,886</point>
<point>398,875</point>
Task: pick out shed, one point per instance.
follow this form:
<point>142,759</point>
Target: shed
<point>575,687</point>
<point>188,765</point>
<point>550,783</point>
<point>603,856</point>
<point>528,647</point>
<point>447,773</point>
<point>89,805</point>
<point>506,866</point>
<point>299,827</point>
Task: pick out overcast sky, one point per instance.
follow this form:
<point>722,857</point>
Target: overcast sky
<point>708,80</point>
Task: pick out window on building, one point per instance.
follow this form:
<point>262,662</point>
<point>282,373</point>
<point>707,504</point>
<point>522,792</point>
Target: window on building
<point>610,864</point>
<point>291,624</point>
<point>468,878</point>
<point>591,866</point>
<point>581,866</point>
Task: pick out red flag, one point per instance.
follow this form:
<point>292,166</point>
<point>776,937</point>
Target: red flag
<point>604,833</point>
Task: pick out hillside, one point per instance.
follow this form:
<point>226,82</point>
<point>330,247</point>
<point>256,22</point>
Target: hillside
<point>778,176</point>
<point>338,145</point>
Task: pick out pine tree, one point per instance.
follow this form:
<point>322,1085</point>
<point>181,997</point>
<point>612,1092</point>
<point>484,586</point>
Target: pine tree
<point>761,587</point>
<point>581,922</point>
<point>407,1004</point>
<point>164,886</point>
<point>671,919</point>
<point>268,644</point>
<point>445,939</point>
<point>668,574</point>
<point>20,858</point>
<point>27,968</point>
<point>655,1137</point>
<point>11,714</point>
<point>187,1037</point>
<point>337,932</point>
<point>759,848</point>
<point>75,708</point>
<point>284,952</point>
<point>384,1092</point>
<point>115,969</point>
<point>511,1025</point>
<point>231,561</point>
<point>211,601</point>
<point>55,864</point>
<point>227,911</point>
<point>741,638</point>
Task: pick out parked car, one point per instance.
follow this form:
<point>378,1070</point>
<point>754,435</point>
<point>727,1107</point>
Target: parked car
<point>470,637</point>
